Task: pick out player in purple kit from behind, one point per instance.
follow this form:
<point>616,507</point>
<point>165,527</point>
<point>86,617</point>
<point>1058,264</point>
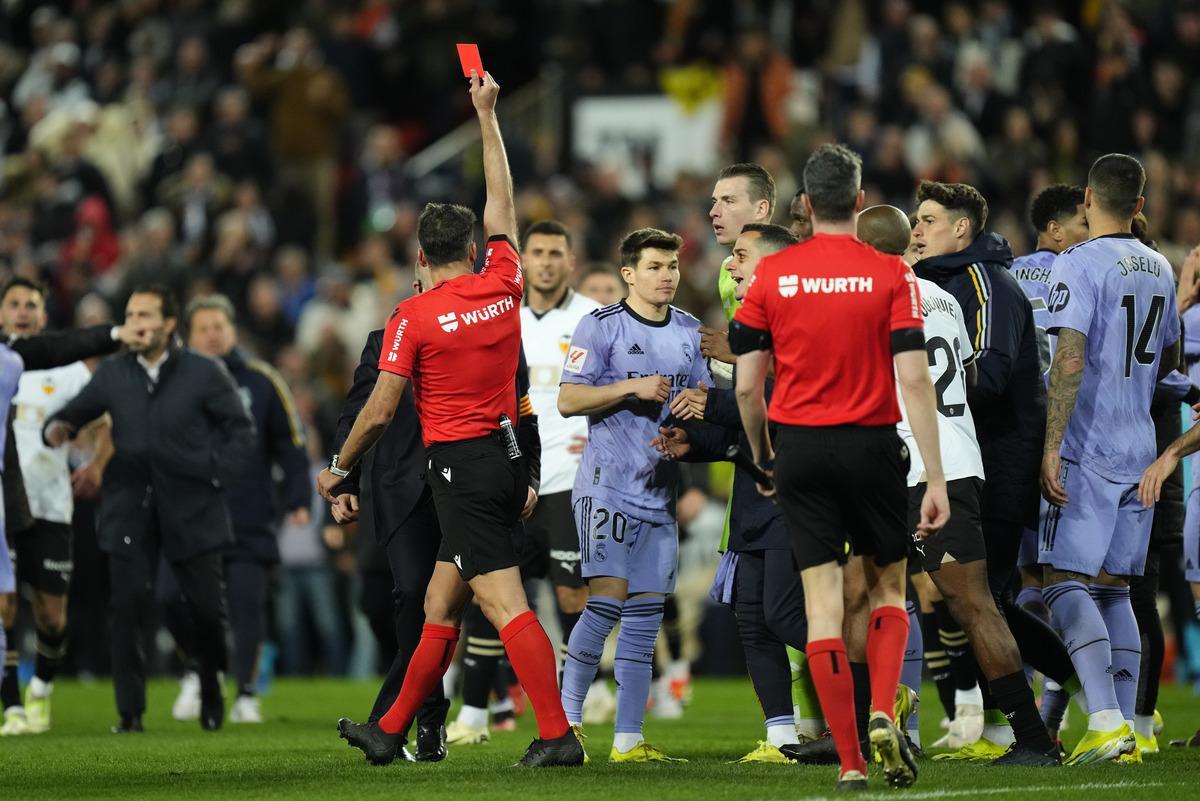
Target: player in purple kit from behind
<point>1112,306</point>
<point>625,363</point>
<point>11,368</point>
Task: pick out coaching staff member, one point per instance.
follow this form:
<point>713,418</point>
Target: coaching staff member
<point>837,315</point>
<point>460,344</point>
<point>279,441</point>
<point>180,431</point>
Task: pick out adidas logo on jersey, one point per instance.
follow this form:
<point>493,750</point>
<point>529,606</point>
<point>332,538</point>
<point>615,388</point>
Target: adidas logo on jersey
<point>636,350</point>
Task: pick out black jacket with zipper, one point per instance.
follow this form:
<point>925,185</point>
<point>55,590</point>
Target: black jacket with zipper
<point>1008,399</point>
<point>177,442</point>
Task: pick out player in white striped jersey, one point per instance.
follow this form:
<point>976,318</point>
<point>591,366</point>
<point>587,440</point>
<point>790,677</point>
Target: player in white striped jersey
<point>956,557</point>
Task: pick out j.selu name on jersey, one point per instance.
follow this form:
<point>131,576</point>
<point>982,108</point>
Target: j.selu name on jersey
<point>1139,264</point>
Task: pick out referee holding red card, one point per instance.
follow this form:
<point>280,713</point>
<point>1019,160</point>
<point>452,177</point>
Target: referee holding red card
<point>459,343</point>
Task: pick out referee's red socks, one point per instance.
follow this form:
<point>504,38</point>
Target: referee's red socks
<point>532,658</point>
<point>887,637</point>
<point>835,687</point>
<point>425,669</point>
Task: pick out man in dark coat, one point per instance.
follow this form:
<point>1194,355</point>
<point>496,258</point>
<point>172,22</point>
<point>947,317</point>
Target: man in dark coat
<point>180,431</point>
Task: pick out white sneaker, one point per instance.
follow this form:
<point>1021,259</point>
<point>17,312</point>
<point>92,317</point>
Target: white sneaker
<point>967,725</point>
<point>246,709</point>
<point>187,703</point>
<point>600,705</point>
<point>666,705</point>
<point>459,733</point>
<point>15,722</point>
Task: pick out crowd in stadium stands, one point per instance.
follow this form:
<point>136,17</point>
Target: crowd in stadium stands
<point>259,149</point>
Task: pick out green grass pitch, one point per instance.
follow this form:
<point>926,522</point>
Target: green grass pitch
<point>297,755</point>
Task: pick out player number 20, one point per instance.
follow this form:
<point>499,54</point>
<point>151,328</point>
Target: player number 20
<point>615,522</point>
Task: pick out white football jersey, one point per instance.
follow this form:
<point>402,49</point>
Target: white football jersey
<point>40,394</point>
<point>546,338</point>
<point>949,350</point>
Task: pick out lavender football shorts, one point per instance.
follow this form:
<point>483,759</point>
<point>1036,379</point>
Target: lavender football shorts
<point>614,542</point>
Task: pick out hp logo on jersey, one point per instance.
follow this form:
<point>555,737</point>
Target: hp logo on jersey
<point>1060,296</point>
<point>449,322</point>
<point>789,285</point>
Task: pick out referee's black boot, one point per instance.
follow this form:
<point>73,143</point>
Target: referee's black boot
<point>212,702</point>
<point>821,751</point>
<point>561,752</point>
<point>1022,756</point>
<point>131,725</point>
<point>431,743</point>
<point>379,747</point>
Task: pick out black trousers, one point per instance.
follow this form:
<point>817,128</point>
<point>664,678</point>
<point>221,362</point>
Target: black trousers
<point>132,577</point>
<point>411,554</point>
<point>768,601</point>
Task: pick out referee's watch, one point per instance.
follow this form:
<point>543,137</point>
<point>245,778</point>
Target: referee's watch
<point>337,471</point>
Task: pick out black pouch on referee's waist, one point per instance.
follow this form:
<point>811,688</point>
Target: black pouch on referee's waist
<point>508,436</point>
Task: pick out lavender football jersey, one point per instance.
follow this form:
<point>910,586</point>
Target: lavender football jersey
<point>612,344</point>
<point>1033,272</point>
<point>11,367</point>
<point>1121,295</point>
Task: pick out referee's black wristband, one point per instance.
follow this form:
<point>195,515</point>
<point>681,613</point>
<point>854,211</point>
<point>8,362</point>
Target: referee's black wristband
<point>1193,395</point>
<point>906,339</point>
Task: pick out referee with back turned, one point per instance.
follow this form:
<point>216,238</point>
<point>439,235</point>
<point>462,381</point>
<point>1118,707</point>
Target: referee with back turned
<point>467,327</point>
<point>836,315</point>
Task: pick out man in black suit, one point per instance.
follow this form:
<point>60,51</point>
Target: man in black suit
<point>388,496</point>
<point>181,433</point>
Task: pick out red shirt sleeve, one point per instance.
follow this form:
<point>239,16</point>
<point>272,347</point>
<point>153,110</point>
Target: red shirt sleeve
<point>906,299</point>
<point>753,311</point>
<point>401,341</point>
<point>501,259</point>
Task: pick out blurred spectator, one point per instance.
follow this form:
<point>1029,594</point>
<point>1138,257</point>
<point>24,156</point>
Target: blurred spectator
<point>193,83</point>
<point>308,102</point>
<point>757,85</point>
<point>236,140</point>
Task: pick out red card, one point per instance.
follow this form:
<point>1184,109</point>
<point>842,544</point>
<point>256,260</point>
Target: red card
<point>468,54</point>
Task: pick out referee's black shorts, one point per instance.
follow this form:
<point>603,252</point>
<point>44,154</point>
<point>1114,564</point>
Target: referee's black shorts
<point>478,493</point>
<point>843,483</point>
<point>961,539</point>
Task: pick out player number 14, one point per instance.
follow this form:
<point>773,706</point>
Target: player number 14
<point>1139,350</point>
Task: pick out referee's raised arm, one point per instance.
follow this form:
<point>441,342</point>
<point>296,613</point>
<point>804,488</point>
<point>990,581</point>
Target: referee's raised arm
<point>499,212</point>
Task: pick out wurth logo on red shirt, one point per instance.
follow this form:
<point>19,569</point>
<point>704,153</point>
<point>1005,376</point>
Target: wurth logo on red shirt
<point>450,320</point>
<point>391,357</point>
<point>837,285</point>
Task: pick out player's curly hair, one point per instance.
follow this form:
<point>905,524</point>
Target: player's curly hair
<point>636,241</point>
<point>1056,202</point>
<point>960,200</point>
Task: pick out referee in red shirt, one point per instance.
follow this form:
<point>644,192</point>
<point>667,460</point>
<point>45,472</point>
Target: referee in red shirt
<point>836,315</point>
<point>459,344</point>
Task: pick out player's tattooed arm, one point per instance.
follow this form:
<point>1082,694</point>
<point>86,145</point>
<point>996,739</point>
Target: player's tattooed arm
<point>1066,376</point>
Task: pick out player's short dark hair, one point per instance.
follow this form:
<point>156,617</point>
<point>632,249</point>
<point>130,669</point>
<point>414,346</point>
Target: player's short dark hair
<point>211,303</point>
<point>961,200</point>
<point>445,232</point>
<point>832,179</point>
<point>23,282</point>
<point>762,185</point>
<point>170,308</point>
<point>635,242</point>
<point>1116,181</point>
<point>549,228</point>
<point>1057,203</point>
<point>771,238</point>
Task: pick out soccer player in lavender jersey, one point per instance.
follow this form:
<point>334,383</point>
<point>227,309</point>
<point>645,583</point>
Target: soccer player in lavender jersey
<point>626,362</point>
<point>1113,308</point>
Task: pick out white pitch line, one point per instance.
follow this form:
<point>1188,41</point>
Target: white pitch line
<point>1043,788</point>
